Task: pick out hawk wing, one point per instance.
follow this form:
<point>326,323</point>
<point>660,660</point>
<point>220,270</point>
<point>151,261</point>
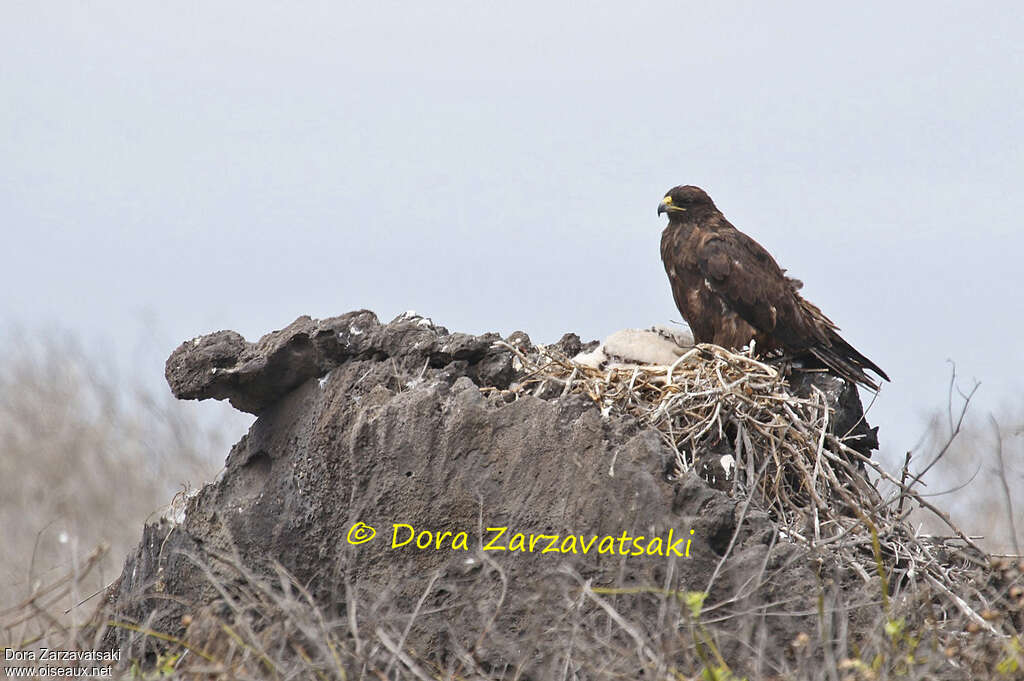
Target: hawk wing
<point>749,281</point>
<point>754,287</point>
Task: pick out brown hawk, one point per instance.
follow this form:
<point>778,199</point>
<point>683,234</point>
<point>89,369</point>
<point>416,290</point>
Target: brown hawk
<point>730,290</point>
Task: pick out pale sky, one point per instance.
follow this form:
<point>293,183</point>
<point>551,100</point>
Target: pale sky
<point>200,166</point>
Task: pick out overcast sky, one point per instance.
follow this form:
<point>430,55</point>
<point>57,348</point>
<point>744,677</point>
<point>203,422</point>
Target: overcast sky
<point>199,166</point>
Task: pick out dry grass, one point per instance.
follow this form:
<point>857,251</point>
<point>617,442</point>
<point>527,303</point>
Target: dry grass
<point>924,607</point>
<point>980,478</point>
<point>86,457</point>
<point>787,462</point>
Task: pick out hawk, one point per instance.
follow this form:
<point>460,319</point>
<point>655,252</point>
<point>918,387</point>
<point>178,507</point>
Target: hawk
<point>730,290</point>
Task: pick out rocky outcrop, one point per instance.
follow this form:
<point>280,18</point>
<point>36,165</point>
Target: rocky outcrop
<point>407,429</point>
<point>254,376</point>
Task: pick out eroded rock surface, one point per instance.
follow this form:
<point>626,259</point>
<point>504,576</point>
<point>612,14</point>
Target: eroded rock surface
<point>386,424</point>
<point>253,376</point>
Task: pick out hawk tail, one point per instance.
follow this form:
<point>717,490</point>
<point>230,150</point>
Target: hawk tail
<point>847,362</point>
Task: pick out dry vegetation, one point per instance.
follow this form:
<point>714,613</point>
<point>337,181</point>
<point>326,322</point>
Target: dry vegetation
<point>79,457</point>
<point>937,591</point>
<point>978,471</point>
<point>86,456</point>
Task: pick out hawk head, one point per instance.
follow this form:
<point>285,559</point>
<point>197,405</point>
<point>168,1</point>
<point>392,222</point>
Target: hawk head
<point>683,198</point>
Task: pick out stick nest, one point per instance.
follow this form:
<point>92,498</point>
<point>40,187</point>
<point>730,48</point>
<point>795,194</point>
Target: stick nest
<point>784,458</point>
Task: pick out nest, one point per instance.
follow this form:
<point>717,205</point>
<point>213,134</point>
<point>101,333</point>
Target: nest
<point>731,417</point>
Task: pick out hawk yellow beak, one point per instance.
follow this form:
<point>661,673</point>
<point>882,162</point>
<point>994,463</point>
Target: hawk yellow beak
<point>664,205</point>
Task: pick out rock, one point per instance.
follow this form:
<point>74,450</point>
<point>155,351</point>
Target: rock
<point>848,412</point>
<point>253,376</point>
<point>388,425</point>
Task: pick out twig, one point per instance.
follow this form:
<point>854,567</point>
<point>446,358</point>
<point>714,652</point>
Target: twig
<point>1006,487</point>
